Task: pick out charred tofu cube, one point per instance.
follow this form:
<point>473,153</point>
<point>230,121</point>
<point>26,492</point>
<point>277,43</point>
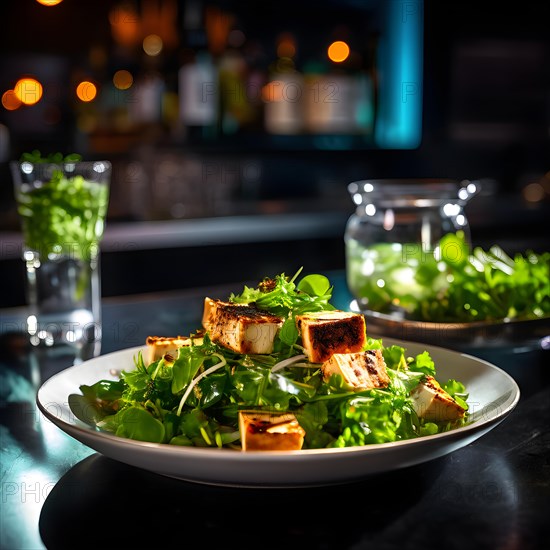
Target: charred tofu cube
<point>270,432</point>
<point>433,403</point>
<point>360,371</point>
<point>241,328</point>
<point>158,346</point>
<point>325,333</point>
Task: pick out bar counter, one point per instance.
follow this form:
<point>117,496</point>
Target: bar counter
<point>58,493</point>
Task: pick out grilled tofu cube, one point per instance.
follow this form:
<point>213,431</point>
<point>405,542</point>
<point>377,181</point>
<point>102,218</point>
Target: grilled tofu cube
<point>361,371</point>
<point>325,333</point>
<point>270,432</point>
<point>433,403</point>
<point>241,328</point>
<point>158,346</point>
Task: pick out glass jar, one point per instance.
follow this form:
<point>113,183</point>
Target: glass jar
<point>392,239</point>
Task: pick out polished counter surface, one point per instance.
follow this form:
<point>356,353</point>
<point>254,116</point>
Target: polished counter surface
<point>57,493</point>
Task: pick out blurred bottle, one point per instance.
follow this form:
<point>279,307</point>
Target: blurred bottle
<point>146,102</point>
<point>338,97</point>
<point>235,108</point>
<point>198,92</point>
<point>284,93</point>
<point>255,57</point>
<point>198,87</point>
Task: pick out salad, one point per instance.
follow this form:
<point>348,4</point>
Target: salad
<point>451,283</point>
<point>275,367</point>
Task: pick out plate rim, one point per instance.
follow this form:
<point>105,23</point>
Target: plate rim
<point>89,431</point>
<point>457,325</point>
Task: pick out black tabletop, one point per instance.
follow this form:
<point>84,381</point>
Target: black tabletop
<point>58,493</point>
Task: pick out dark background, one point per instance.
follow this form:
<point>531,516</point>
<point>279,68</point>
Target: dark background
<point>486,116</point>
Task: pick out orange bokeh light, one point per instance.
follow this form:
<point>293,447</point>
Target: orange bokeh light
<point>152,44</point>
<point>10,101</point>
<point>286,46</point>
<point>49,2</point>
<point>86,91</point>
<point>125,24</point>
<point>28,90</point>
<point>338,51</point>
<point>123,79</point>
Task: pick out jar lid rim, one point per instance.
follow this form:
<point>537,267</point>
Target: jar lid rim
<point>419,187</point>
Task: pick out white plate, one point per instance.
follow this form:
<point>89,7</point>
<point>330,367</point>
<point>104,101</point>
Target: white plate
<point>493,394</point>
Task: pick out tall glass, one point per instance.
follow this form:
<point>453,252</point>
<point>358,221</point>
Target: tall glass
<point>62,207</point>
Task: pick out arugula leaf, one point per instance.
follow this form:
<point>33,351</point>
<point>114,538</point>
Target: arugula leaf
<point>97,401</point>
<point>457,391</point>
<point>185,367</point>
<point>315,285</point>
<point>313,417</point>
<point>137,423</point>
<point>423,363</point>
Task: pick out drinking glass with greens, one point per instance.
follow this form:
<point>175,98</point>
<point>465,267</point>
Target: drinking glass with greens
<point>62,203</point>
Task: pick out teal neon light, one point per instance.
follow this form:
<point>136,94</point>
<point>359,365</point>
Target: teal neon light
<point>399,117</point>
